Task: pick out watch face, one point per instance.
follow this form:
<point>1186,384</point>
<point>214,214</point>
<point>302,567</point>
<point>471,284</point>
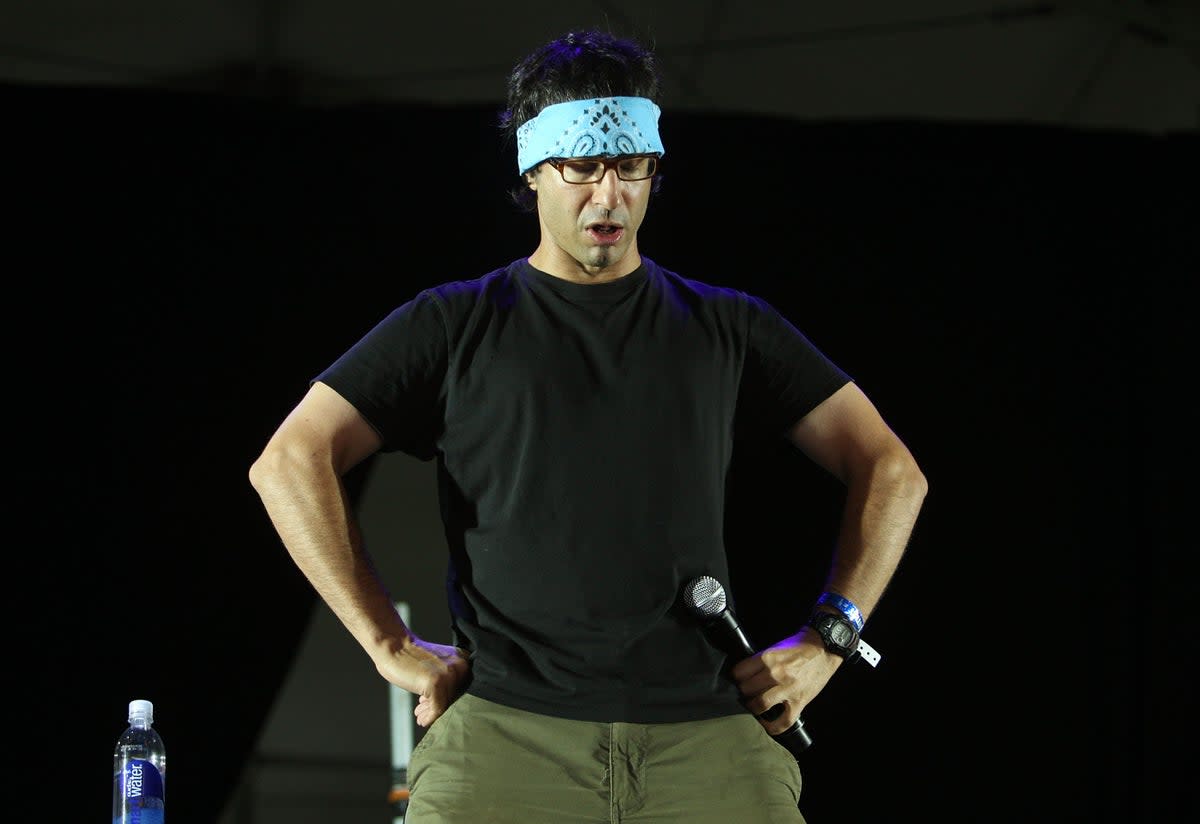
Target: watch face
<point>841,635</point>
<point>837,632</point>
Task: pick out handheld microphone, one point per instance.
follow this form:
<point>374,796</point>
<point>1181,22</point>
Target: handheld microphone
<point>705,598</point>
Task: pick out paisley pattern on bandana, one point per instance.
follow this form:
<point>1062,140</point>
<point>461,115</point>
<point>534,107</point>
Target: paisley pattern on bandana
<point>590,128</point>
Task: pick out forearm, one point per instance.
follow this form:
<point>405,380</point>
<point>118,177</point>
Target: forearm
<point>311,511</point>
<point>883,501</point>
<point>301,488</point>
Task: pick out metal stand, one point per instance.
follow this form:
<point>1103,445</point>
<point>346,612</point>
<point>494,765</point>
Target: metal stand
<point>400,711</point>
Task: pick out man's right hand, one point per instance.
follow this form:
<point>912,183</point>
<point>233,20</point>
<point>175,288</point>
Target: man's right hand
<point>439,676</point>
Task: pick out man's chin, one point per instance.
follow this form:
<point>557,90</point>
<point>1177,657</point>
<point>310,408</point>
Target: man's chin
<point>602,257</point>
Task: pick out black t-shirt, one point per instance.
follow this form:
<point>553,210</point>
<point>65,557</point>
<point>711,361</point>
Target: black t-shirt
<point>583,433</point>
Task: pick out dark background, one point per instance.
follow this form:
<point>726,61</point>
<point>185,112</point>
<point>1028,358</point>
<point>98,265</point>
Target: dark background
<point>1016,299</point>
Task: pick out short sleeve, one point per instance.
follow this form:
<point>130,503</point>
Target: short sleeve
<point>394,376</point>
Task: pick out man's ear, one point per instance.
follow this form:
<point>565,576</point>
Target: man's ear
<point>531,181</point>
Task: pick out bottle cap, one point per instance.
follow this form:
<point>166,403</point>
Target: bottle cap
<point>141,708</point>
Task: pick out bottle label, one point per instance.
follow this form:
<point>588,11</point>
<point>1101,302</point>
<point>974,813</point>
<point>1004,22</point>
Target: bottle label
<point>140,790</point>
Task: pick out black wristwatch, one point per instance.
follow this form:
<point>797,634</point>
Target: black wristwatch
<point>841,638</point>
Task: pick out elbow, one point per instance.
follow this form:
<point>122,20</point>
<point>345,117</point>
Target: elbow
<point>918,485</point>
<point>903,475</point>
<point>287,463</point>
<point>909,479</point>
<point>268,468</point>
<point>259,473</point>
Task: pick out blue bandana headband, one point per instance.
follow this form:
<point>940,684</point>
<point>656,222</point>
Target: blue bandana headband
<point>589,128</point>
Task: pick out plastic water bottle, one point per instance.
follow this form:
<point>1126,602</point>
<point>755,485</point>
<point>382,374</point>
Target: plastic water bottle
<point>139,770</point>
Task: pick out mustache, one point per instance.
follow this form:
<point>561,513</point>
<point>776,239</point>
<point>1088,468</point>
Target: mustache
<point>606,216</point>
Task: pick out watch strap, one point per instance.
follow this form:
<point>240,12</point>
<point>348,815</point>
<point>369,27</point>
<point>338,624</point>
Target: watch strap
<point>866,652</point>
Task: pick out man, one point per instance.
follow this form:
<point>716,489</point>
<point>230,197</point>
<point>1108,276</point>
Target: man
<point>580,405</point>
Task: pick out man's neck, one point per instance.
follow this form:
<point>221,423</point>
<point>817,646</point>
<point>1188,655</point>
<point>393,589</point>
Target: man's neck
<point>571,269</point>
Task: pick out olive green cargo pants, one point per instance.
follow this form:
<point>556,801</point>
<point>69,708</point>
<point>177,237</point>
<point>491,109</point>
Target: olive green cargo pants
<point>484,763</point>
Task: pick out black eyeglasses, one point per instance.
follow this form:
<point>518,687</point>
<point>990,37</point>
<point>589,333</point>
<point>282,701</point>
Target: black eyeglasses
<point>593,169</point>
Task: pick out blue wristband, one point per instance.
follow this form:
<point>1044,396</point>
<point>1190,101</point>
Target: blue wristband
<point>844,606</point>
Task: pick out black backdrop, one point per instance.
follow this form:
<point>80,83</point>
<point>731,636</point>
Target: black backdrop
<point>1015,298</point>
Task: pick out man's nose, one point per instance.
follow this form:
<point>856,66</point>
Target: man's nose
<point>607,192</point>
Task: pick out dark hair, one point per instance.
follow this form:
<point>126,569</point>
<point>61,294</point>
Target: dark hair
<point>576,66</point>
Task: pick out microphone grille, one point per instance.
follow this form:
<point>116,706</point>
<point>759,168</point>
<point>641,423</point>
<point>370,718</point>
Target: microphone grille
<point>705,596</point>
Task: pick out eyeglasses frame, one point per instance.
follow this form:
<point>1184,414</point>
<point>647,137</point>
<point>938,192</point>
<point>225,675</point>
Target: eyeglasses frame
<point>609,162</point>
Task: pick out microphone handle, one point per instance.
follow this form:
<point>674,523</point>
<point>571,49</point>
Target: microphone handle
<point>795,739</point>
